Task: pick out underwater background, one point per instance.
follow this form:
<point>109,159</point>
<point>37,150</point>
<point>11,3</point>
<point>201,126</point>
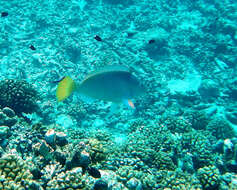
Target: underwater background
<point>182,134</point>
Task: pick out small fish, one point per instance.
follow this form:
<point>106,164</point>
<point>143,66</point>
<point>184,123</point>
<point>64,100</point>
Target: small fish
<point>97,38</point>
<point>4,14</point>
<point>151,41</point>
<point>94,172</point>
<point>113,83</point>
<point>32,47</point>
<point>57,81</point>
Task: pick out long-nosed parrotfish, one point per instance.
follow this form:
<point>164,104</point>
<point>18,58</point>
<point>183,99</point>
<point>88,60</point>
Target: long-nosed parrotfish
<point>112,83</point>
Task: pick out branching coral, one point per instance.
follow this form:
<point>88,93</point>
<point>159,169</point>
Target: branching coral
<point>15,173</point>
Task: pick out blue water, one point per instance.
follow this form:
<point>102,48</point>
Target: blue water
<point>182,133</point>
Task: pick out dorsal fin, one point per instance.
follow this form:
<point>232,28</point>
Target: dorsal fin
<point>109,68</point>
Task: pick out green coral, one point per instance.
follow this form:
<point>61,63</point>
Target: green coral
<point>199,145</point>
<point>134,124</point>
<point>149,181</point>
<point>97,151</point>
<point>198,119</point>
<point>178,180</point>
<point>162,179</point>
<point>4,132</point>
<point>127,173</point>
<point>220,128</point>
<point>176,124</point>
<point>146,143</point>
<point>70,180</point>
<point>163,161</point>
<point>7,117</point>
<point>209,177</point>
<point>18,95</point>
<point>15,174</point>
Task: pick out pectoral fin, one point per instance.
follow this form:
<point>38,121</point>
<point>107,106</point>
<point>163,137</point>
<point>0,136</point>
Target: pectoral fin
<point>129,103</point>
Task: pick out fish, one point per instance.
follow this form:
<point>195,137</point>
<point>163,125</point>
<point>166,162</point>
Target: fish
<point>32,47</point>
<point>4,14</point>
<point>151,41</point>
<point>57,81</point>
<point>94,172</point>
<point>114,83</point>
<point>98,38</point>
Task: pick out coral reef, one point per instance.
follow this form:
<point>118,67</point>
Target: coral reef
<point>15,173</point>
<point>18,95</point>
<point>68,180</point>
<point>199,145</point>
<point>177,124</point>
<point>97,150</point>
<point>220,128</point>
<point>181,134</point>
<point>7,117</point>
<point>198,119</point>
<point>177,180</point>
<point>209,177</point>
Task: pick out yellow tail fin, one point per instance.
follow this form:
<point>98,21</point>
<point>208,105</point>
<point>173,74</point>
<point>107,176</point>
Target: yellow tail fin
<point>65,88</point>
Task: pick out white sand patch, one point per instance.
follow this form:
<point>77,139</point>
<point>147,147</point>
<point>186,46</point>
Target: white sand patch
<point>190,83</point>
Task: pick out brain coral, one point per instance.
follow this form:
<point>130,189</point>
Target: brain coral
<point>18,95</point>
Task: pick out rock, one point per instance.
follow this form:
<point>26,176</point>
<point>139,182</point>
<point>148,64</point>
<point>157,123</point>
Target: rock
<point>61,139</point>
<point>84,159</point>
<point>232,117</point>
<point>79,159</point>
<point>43,149</point>
<point>209,89</point>
<point>50,137</point>
<point>60,157</point>
<point>100,185</point>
